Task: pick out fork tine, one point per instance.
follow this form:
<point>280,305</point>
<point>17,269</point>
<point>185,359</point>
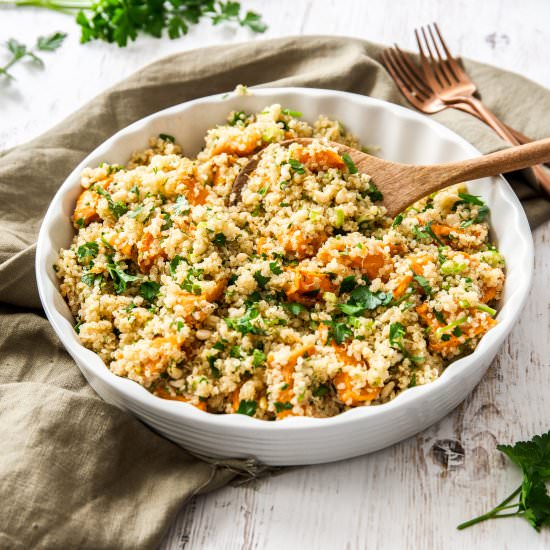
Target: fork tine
<point>443,62</point>
<point>436,68</point>
<point>427,67</point>
<point>412,70</point>
<point>452,62</point>
<point>402,69</point>
<point>403,88</point>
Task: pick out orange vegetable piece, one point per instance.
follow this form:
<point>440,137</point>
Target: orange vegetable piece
<point>318,160</point>
<point>368,261</point>
<point>294,242</point>
<point>489,294</point>
<point>305,281</point>
<point>402,286</point>
<point>149,250</point>
<point>348,393</point>
<point>85,211</point>
<point>190,303</point>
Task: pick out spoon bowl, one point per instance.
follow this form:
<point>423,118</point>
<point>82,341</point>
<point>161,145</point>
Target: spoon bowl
<point>403,184</point>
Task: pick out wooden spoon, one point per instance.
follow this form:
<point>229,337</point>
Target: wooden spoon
<point>403,184</point>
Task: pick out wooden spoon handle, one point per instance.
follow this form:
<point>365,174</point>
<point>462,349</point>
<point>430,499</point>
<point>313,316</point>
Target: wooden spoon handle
<point>500,162</point>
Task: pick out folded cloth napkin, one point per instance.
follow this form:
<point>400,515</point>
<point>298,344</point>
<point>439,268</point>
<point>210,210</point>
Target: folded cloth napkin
<point>76,472</point>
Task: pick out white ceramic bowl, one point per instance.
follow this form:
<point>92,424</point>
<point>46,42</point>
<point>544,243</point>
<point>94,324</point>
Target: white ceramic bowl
<point>402,135</point>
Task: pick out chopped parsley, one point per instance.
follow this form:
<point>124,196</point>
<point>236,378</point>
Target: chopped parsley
<point>337,331</point>
<point>261,279</point>
<point>117,208</point>
<point>174,262</point>
<point>361,299</point>
<point>219,239</point>
<point>91,278</point>
<point>245,324</point>
<point>119,276</point>
<point>149,290</point>
<point>247,407</point>
<point>167,137</point>
<point>349,163</point>
<point>275,268</point>
<point>87,250</point>
<point>280,407</point>
<point>212,364</point>
<point>424,284</point>
<point>348,284</point>
<point>397,220</point>
<point>182,207</point>
<point>258,358</point>
<point>294,307</point>
<point>297,166</point>
<point>321,390</point>
<point>397,332</point>
<point>532,499</point>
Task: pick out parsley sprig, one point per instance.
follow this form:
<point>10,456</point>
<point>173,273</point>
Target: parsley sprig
<point>20,51</point>
<point>121,21</point>
<point>533,501</point>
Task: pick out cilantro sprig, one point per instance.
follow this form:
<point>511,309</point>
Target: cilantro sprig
<point>121,21</point>
<point>532,499</point>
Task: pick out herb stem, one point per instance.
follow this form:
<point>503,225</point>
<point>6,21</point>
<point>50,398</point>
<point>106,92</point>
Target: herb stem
<point>494,513</point>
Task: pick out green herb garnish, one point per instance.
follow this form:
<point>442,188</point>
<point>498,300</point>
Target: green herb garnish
<point>219,239</point>
<point>247,407</point>
<point>349,163</point>
<point>87,250</point>
<point>361,299</point>
<point>149,290</point>
<point>532,499</point>
<point>280,407</point>
<point>20,51</point>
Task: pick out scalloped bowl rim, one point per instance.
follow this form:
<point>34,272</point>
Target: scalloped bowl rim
<point>180,411</point>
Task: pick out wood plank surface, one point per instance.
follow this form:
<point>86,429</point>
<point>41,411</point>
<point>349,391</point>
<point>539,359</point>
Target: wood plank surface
<point>413,494</point>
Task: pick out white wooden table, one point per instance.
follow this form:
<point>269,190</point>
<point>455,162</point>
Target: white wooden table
<point>411,495</point>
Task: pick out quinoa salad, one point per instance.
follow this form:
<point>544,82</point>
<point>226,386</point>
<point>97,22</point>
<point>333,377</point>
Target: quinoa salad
<point>305,299</point>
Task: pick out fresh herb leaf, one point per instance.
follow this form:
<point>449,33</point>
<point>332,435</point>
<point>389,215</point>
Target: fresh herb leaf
<point>374,193</point>
<point>174,262</point>
<point>212,364</point>
<point>397,332</point>
<point>149,290</point>
<point>280,407</point>
<point>349,163</point>
<point>275,268</point>
<point>297,166</point>
<point>348,284</point>
<point>246,324</point>
<point>91,278</point>
<point>294,307</point>
<point>19,51</point>
<point>321,390</point>
<point>219,239</point>
<point>361,299</point>
<point>471,199</point>
<point>116,207</point>
<point>397,220</point>
<point>533,501</point>
<point>261,279</point>
<point>87,250</point>
<point>247,407</point>
<point>167,137</point>
<point>424,284</point>
<point>258,358</point>
<point>338,332</point>
<point>182,206</point>
<point>119,276</point>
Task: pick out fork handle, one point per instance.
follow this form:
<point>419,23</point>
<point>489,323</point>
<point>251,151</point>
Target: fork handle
<point>504,132</point>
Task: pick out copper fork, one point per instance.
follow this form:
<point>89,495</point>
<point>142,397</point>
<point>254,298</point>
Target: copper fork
<point>411,83</point>
<point>444,74</point>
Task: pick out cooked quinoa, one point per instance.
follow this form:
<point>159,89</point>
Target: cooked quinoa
<point>304,299</point>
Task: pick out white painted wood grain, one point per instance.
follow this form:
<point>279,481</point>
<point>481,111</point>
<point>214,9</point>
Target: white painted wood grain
<point>402,497</point>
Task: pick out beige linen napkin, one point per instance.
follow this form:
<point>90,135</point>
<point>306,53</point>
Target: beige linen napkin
<point>74,471</point>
